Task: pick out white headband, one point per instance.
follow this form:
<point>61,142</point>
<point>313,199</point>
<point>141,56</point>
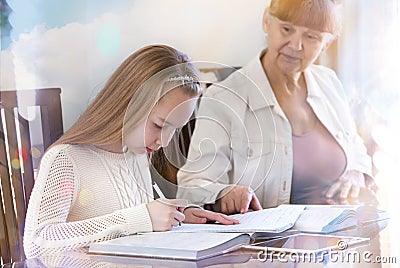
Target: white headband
<point>181,78</point>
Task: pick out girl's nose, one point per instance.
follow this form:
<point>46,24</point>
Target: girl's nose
<point>165,138</point>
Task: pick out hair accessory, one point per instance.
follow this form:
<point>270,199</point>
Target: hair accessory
<point>182,78</point>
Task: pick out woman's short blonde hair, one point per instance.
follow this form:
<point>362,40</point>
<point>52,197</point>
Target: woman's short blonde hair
<point>102,122</point>
<point>321,15</point>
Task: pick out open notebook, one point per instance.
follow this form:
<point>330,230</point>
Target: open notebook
<point>332,218</point>
<point>271,220</point>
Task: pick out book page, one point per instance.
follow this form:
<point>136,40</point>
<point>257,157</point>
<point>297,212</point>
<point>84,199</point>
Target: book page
<point>267,220</point>
<point>315,217</point>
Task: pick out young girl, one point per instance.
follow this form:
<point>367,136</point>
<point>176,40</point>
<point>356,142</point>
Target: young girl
<point>94,183</point>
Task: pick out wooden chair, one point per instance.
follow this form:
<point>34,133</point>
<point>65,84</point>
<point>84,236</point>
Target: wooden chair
<point>17,155</point>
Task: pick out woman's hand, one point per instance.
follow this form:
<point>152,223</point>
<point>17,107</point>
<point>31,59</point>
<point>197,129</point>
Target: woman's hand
<point>370,184</point>
<point>235,199</point>
<point>348,186</point>
<point>165,213</point>
<point>199,215</point>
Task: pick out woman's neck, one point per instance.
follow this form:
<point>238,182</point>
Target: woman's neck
<point>282,81</point>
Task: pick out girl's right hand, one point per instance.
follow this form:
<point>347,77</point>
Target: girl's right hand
<point>165,213</point>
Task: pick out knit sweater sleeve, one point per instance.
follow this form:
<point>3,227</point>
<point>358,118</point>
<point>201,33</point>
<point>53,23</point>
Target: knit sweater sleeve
<point>56,188</point>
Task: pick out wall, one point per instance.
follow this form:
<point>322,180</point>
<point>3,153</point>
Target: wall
<point>79,57</point>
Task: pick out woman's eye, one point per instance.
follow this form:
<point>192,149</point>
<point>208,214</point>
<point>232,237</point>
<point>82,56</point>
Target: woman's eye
<point>158,126</point>
<point>314,36</point>
<point>286,28</point>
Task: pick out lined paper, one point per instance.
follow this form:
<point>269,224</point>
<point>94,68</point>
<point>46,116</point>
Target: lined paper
<point>276,219</point>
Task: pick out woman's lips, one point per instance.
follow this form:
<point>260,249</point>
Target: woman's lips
<point>289,58</point>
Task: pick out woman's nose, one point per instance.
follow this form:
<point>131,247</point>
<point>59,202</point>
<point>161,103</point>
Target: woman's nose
<point>296,42</point>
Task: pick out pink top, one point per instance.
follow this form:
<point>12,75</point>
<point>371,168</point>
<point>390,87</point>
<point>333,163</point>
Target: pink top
<point>318,160</point>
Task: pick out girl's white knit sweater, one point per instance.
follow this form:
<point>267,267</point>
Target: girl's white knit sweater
<point>83,194</point>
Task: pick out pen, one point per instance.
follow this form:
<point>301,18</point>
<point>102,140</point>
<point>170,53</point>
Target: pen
<point>158,191</point>
<point>160,194</point>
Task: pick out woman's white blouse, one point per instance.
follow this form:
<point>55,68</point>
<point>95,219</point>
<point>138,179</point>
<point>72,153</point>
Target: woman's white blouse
<point>243,137</point>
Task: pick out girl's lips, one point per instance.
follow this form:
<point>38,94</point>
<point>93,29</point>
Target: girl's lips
<point>148,150</point>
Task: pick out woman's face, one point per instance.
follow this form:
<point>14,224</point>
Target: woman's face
<point>172,112</point>
<point>293,48</point>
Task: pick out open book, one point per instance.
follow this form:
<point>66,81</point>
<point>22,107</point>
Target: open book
<point>331,218</point>
<point>271,220</point>
<point>121,261</point>
<point>171,245</point>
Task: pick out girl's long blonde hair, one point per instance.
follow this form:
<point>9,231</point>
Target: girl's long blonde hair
<point>102,122</point>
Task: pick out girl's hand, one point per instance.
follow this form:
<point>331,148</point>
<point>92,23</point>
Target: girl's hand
<point>165,213</point>
<point>199,215</point>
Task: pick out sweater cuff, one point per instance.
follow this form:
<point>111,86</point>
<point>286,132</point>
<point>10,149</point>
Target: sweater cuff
<point>137,219</point>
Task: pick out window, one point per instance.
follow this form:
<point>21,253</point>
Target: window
<point>368,66</point>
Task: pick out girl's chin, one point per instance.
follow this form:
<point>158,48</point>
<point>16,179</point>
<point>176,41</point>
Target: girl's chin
<point>139,150</point>
<point>142,150</point>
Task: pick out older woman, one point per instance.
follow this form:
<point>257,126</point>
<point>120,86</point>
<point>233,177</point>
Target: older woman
<point>281,130</point>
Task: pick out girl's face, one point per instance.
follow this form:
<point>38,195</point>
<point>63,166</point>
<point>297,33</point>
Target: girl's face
<point>172,112</point>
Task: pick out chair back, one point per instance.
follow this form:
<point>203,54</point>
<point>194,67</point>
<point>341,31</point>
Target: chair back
<point>22,113</point>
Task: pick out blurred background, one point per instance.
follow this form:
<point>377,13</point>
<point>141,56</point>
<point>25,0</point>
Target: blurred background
<point>76,44</point>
